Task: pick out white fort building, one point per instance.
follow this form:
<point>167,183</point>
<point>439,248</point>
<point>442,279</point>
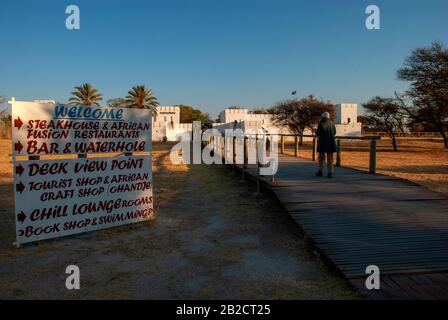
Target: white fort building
<point>166,124</point>
<point>346,115</point>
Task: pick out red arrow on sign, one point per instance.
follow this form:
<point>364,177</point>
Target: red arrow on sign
<point>18,123</point>
<point>19,169</point>
<point>20,187</point>
<point>21,217</point>
<point>18,146</point>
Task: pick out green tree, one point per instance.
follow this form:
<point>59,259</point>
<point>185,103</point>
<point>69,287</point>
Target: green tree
<point>302,114</point>
<point>189,114</point>
<point>142,98</point>
<point>426,101</point>
<point>385,114</point>
<point>85,95</point>
<point>414,125</point>
<point>261,111</point>
<point>117,103</point>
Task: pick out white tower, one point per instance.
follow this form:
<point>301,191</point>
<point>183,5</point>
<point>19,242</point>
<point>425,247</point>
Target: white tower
<point>346,119</point>
<point>346,113</point>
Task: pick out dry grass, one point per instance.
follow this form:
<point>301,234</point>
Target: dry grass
<point>168,179</point>
<point>212,239</point>
<point>5,158</point>
<point>423,161</point>
<point>6,192</point>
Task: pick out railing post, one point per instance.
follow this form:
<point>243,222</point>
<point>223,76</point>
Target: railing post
<point>226,147</point>
<point>313,156</point>
<point>258,165</point>
<point>234,150</point>
<point>338,154</point>
<point>223,155</point>
<point>246,152</point>
<point>245,157</point>
<point>270,150</point>
<point>372,164</point>
<point>258,158</point>
<point>233,155</point>
<point>282,144</point>
<point>296,146</point>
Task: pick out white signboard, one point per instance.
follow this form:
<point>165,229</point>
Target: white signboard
<point>59,197</point>
<point>50,129</point>
<point>56,198</point>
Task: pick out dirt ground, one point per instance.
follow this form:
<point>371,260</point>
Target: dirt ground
<point>423,161</point>
<point>211,239</point>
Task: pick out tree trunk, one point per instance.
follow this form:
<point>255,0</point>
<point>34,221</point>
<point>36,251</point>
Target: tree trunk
<point>394,141</point>
<point>445,138</point>
<point>301,137</point>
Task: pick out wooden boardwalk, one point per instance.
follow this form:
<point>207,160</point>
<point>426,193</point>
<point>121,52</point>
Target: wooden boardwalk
<point>357,219</point>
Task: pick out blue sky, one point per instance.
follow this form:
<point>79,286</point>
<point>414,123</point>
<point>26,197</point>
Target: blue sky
<point>213,53</point>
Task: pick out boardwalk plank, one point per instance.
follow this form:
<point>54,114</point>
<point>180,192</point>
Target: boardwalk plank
<point>358,219</point>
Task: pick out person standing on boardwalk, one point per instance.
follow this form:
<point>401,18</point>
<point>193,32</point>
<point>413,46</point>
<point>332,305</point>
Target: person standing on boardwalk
<point>326,144</point>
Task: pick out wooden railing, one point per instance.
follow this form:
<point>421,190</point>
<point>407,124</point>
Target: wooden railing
<point>406,134</point>
<point>372,152</point>
<point>282,137</point>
